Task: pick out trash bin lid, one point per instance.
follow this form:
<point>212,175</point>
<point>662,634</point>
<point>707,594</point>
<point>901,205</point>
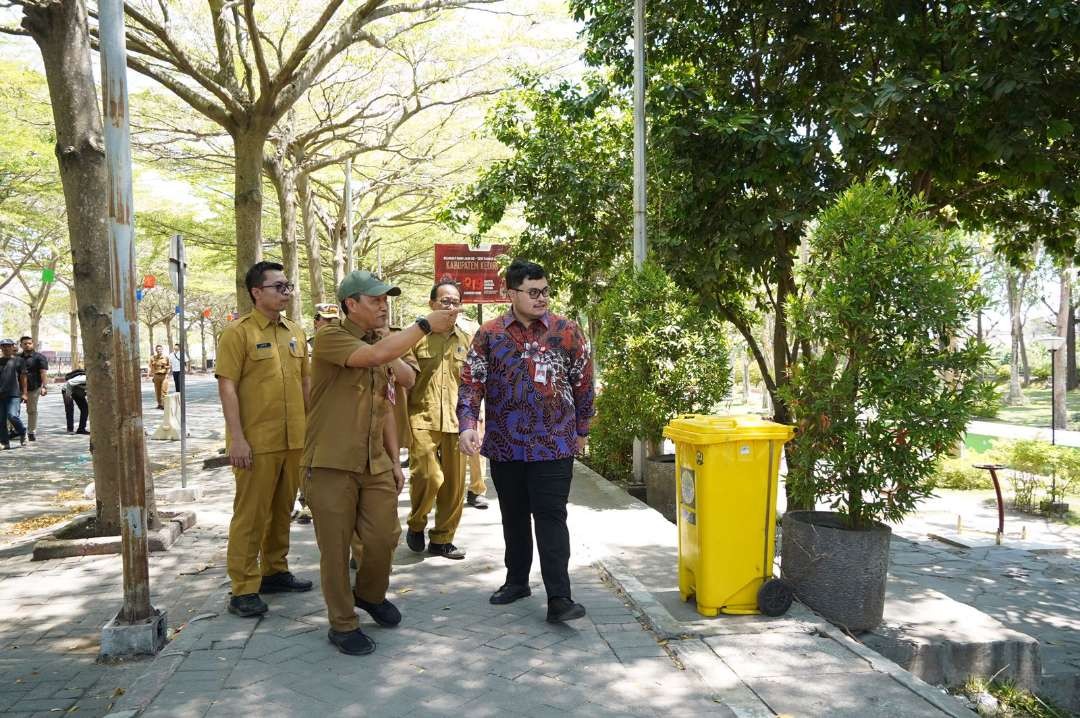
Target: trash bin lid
<point>704,429</point>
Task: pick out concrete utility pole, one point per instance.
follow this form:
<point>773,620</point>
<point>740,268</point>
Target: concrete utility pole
<point>641,244</point>
<point>349,249</point>
<point>137,628</point>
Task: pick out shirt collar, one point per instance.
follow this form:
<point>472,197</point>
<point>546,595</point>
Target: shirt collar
<point>262,321</point>
<point>509,318</point>
<point>356,330</point>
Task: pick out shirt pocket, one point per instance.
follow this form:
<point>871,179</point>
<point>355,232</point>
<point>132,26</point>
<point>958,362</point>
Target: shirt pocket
<point>262,361</point>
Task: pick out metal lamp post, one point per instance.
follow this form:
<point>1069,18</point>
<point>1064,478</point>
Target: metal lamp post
<point>1053,343</point>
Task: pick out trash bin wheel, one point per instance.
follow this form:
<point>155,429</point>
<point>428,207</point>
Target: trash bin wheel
<point>774,597</point>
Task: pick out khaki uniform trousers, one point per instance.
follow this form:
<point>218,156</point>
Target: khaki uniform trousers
<point>343,504</point>
<point>476,471</point>
<point>262,511</point>
<point>32,397</point>
<point>436,478</point>
<point>159,388</point>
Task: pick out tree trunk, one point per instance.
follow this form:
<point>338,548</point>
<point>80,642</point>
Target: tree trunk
<point>746,376</point>
<point>1016,333</point>
<point>311,240</point>
<point>73,327</point>
<point>248,154</point>
<point>60,30</point>
<point>1072,380</point>
<point>284,186</point>
<point>338,245</point>
<point>1061,413</point>
<point>168,334</point>
<point>1025,365</point>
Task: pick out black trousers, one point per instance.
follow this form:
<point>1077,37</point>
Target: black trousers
<point>535,492</point>
<point>70,402</point>
<point>176,380</point>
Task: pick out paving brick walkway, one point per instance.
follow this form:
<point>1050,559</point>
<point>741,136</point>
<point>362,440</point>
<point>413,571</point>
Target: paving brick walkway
<point>453,654</point>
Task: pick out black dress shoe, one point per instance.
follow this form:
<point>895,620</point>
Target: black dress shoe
<point>415,540</point>
<point>354,643</point>
<point>385,613</point>
<point>563,609</point>
<point>446,550</point>
<point>284,582</point>
<point>31,436</point>
<point>476,501</point>
<point>247,605</point>
<point>508,593</point>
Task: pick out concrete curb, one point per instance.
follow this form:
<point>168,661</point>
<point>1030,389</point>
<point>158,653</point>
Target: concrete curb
<point>657,618</point>
<point>932,695</point>
<point>174,523</point>
<point>146,687</point>
<point>724,682</point>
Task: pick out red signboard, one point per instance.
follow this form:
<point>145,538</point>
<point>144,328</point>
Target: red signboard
<point>475,270</point>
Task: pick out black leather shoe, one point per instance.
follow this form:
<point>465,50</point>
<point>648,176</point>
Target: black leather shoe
<point>354,643</point>
<point>415,540</point>
<point>508,593</point>
<point>247,605</point>
<point>563,609</point>
<point>446,550</point>
<point>284,582</point>
<point>385,613</point>
<point>476,501</point>
<point>31,436</point>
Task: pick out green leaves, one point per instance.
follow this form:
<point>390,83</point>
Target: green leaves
<point>895,376</point>
<point>661,356</point>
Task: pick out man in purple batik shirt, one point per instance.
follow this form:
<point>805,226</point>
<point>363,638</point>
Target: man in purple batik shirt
<point>533,371</point>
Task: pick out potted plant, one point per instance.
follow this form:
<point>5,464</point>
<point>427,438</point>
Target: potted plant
<point>660,355</point>
<point>887,378</point>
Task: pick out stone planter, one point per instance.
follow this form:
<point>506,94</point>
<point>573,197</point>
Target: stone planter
<point>660,484</point>
<point>1053,508</point>
<point>835,571</point>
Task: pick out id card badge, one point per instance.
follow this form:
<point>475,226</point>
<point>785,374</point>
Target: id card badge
<point>540,377</point>
<point>391,390</point>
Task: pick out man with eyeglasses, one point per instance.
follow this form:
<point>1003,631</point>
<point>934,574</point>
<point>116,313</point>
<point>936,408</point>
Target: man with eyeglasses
<point>351,453</point>
<point>437,476</point>
<point>262,372</point>
<point>534,372</point>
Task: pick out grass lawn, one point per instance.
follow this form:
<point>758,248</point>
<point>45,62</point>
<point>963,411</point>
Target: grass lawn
<point>1037,410</point>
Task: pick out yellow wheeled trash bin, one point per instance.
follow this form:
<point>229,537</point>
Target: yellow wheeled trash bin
<point>726,469</point>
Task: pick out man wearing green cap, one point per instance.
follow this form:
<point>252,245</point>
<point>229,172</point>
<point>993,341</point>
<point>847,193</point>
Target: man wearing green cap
<point>350,452</point>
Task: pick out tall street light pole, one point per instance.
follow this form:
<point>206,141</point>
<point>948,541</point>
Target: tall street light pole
<point>640,237</point>
<point>641,244</point>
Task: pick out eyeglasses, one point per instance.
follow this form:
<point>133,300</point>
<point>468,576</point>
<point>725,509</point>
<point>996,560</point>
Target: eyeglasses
<point>280,287</point>
<point>535,293</point>
<point>448,302</point>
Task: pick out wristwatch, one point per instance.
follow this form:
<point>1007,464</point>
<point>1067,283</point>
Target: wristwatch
<point>424,324</point>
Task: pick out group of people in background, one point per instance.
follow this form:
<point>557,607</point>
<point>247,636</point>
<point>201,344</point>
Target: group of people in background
<point>332,415</point>
<point>24,379</point>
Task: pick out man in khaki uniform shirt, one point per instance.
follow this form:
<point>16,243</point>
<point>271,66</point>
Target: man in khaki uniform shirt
<point>159,370</point>
<point>438,468</point>
<point>351,451</point>
<point>262,371</point>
